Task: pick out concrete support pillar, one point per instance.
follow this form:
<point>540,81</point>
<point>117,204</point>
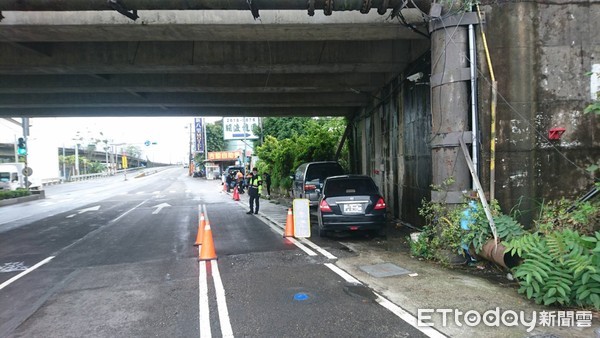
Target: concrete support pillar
<point>450,110</point>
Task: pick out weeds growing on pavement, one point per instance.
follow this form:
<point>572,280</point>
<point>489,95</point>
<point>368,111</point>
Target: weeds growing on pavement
<point>560,255</point>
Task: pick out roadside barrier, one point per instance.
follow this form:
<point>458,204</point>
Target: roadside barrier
<point>207,249</point>
<point>289,224</point>
<point>236,194</point>
<point>201,226</point>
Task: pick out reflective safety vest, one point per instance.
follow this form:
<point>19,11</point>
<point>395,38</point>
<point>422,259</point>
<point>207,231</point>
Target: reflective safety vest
<point>256,183</point>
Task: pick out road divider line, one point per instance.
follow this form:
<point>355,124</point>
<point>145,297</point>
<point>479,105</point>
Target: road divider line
<point>10,281</point>
<point>346,276</point>
<point>275,227</point>
<point>128,211</point>
<point>224,320</point>
<point>395,309</point>
<point>318,248</point>
<point>407,317</point>
<point>204,314</point>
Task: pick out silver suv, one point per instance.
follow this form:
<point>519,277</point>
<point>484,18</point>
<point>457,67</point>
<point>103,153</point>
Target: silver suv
<point>308,179</point>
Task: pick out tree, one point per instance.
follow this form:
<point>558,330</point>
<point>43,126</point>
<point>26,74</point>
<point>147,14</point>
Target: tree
<point>214,136</point>
<point>283,127</point>
<point>318,142</point>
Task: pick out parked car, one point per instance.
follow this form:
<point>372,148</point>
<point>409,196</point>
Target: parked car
<point>309,177</point>
<point>351,202</point>
<point>228,172</point>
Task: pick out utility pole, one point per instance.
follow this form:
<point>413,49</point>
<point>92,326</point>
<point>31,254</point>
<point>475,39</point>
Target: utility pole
<point>190,159</point>
<point>25,123</point>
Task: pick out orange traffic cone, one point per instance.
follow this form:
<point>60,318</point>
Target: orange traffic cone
<point>289,225</point>
<point>207,250</point>
<point>201,225</point>
<point>236,194</point>
<point>224,187</point>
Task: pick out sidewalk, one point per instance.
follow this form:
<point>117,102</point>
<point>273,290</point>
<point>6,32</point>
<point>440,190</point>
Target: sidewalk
<point>436,287</point>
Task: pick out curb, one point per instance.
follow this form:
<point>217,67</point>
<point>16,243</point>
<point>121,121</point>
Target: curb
<point>18,200</point>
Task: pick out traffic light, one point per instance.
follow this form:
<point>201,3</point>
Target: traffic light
<point>22,147</point>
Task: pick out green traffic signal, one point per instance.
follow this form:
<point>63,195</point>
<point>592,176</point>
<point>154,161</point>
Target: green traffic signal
<point>22,147</point>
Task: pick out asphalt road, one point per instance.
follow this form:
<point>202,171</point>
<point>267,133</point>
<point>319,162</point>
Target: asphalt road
<point>117,260</point>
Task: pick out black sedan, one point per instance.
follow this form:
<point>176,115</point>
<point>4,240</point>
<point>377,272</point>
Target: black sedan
<point>351,202</point>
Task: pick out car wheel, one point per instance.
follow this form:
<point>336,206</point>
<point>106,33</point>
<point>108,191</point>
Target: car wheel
<point>322,232</point>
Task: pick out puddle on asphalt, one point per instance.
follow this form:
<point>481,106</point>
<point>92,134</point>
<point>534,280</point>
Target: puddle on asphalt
<point>359,291</point>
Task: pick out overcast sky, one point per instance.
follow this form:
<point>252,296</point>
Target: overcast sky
<point>170,133</point>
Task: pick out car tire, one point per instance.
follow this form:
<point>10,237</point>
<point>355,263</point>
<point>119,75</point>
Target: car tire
<point>322,233</point>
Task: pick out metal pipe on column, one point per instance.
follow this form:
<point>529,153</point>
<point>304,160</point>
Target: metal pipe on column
<point>474,112</point>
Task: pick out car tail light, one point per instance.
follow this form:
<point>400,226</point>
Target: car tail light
<point>308,187</point>
<point>324,206</point>
<point>380,204</point>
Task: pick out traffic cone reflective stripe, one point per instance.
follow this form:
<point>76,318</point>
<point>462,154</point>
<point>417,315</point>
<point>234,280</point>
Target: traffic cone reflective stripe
<point>289,225</point>
<point>207,250</point>
<point>201,225</point>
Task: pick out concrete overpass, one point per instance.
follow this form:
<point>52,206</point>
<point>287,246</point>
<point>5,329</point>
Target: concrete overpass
<point>84,58</point>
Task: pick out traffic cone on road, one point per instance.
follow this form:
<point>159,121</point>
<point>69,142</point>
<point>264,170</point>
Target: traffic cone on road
<point>201,225</point>
<point>224,187</point>
<point>236,194</point>
<point>207,250</point>
<point>289,225</point>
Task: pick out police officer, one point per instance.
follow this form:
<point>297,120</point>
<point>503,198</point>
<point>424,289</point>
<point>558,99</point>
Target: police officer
<point>254,190</point>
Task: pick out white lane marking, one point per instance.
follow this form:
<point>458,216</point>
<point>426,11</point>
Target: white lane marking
<point>128,211</point>
<point>159,207</point>
<point>8,282</point>
<point>346,276</point>
<point>395,309</point>
<point>204,315</point>
<point>301,246</point>
<point>96,208</point>
<point>407,317</point>
<point>278,230</point>
<point>139,193</point>
<point>172,191</point>
<point>318,248</point>
<point>224,320</point>
<point>71,216</point>
<point>156,192</point>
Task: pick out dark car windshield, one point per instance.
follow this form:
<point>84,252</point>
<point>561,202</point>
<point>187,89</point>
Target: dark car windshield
<point>321,171</point>
<point>350,186</point>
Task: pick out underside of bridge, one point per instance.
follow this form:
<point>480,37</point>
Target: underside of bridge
<point>82,58</point>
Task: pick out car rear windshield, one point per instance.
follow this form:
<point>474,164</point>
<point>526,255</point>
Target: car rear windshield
<point>321,171</point>
<point>351,186</point>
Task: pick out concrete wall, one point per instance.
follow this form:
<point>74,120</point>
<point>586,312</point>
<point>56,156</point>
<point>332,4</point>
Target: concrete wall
<point>540,54</point>
<point>390,142</point>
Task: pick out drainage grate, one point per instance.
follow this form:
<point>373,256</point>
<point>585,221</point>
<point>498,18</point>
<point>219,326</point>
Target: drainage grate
<point>384,270</point>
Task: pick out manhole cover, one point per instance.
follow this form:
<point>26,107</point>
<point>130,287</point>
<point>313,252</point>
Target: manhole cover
<point>384,270</point>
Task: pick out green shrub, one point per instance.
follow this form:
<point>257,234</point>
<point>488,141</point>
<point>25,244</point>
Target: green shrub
<point>14,194</point>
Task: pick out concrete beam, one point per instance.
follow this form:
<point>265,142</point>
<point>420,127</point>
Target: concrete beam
<point>102,5</point>
<point>208,57</point>
<point>178,111</point>
<point>204,25</point>
<point>202,83</point>
<point>66,100</point>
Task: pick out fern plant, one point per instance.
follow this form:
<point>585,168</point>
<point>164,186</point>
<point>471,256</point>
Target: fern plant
<point>561,267</point>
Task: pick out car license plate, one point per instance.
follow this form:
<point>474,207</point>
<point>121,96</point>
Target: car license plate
<point>353,208</point>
